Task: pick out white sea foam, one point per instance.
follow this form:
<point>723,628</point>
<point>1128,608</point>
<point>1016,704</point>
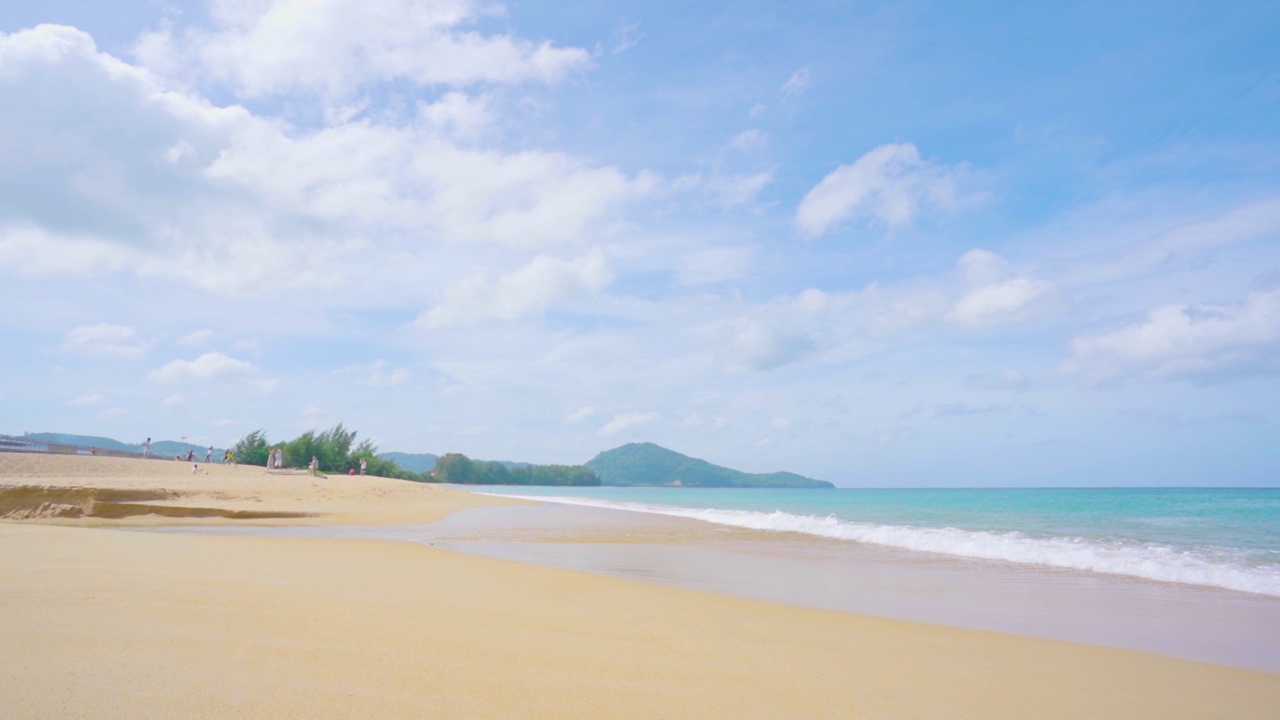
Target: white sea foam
<point>1149,561</point>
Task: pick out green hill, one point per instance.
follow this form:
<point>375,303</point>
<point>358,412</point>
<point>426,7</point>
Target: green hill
<point>413,462</point>
<point>159,448</point>
<point>649,464</point>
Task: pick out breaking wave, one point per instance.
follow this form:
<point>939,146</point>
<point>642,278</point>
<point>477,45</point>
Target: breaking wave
<point>1149,561</point>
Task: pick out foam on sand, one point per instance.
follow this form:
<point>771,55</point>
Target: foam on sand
<point>1148,561</point>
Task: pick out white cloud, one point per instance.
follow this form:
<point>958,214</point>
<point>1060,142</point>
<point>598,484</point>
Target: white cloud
<point>797,83</point>
<point>1184,341</point>
<point>196,339</point>
<point>335,47</point>
<point>458,114</point>
<point>627,37</point>
<point>105,339</point>
<point>749,139</point>
<point>888,185</point>
<point>379,372</point>
<point>758,344</point>
<point>86,401</point>
<point>732,190</point>
<point>578,415</point>
<point>166,184</point>
<point>995,295</point>
<point>31,250</point>
<point>624,421</point>
<point>713,265</point>
<point>174,401</point>
<point>522,293</point>
<point>210,367</point>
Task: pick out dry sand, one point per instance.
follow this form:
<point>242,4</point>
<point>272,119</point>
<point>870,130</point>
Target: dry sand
<point>102,622</point>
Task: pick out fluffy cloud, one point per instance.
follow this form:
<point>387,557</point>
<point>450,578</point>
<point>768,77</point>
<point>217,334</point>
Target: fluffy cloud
<point>624,421</point>
<point>211,367</point>
<point>994,295</point>
<point>163,183</point>
<point>522,293</point>
<point>1184,341</point>
<point>334,47</point>
<point>888,185</point>
<point>105,339</point>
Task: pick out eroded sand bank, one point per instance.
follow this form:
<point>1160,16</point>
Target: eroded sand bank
<point>105,623</point>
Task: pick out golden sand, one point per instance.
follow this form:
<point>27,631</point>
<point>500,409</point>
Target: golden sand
<point>101,622</point>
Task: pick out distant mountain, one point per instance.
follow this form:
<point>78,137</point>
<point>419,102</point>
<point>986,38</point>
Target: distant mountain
<point>84,440</point>
<point>413,462</point>
<point>649,464</point>
<point>159,448</point>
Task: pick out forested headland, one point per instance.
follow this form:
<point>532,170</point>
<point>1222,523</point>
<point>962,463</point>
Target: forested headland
<point>336,451</point>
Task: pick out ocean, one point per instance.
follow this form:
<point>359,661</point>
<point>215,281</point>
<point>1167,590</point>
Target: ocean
<point>1213,537</point>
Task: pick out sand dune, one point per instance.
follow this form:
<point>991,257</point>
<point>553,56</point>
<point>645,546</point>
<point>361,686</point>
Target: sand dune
<point>103,622</point>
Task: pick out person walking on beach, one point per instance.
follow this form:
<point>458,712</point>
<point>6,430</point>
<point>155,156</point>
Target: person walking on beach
<point>146,448</point>
<point>208,455</point>
<point>314,466</point>
<point>279,458</point>
<point>364,465</point>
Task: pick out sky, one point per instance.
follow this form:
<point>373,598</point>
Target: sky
<point>881,244</point>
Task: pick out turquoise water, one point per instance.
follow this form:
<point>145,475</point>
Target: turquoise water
<point>1227,538</point>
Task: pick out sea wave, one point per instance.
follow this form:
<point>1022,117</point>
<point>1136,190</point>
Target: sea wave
<point>1149,561</point>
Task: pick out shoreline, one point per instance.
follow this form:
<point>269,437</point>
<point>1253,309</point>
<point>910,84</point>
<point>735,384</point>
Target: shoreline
<point>103,623</point>
<point>1200,624</point>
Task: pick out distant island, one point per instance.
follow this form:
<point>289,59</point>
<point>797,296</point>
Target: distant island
<point>649,464</point>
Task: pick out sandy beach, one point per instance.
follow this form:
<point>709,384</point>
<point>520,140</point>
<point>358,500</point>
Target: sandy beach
<point>101,621</point>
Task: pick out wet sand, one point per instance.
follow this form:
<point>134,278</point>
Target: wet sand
<point>1183,621</point>
<point>108,622</point>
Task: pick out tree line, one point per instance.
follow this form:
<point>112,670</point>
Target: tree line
<point>459,469</point>
<point>336,451</point>
<point>332,448</point>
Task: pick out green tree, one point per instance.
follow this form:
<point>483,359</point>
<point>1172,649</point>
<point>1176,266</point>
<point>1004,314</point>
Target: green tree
<point>252,449</point>
<point>455,468</point>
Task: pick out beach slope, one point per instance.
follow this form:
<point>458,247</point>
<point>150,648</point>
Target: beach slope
<point>109,622</point>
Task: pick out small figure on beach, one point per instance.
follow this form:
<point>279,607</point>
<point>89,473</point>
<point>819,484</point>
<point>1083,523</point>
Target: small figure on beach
<point>194,468</point>
<point>229,457</point>
<point>277,459</point>
<point>191,455</point>
<point>208,454</point>
<point>314,466</point>
<point>146,448</point>
<point>364,465</point>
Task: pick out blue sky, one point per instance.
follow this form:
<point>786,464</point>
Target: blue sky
<point>882,244</point>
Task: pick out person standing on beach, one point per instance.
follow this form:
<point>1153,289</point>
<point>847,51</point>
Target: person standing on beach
<point>146,448</point>
<point>208,455</point>
<point>364,465</point>
<point>314,466</point>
